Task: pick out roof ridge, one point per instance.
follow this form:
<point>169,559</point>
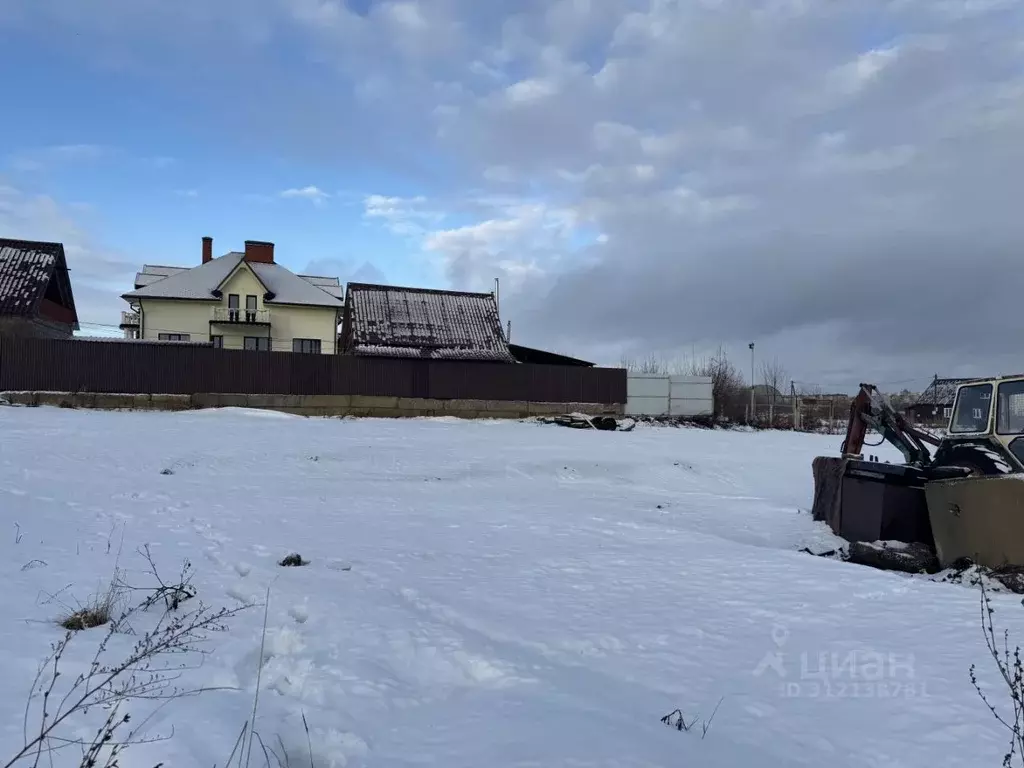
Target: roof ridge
<point>410,289</point>
<point>7,240</point>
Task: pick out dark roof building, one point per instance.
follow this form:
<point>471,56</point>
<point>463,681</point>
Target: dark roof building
<point>392,321</point>
<point>935,404</point>
<point>541,356</point>
<point>35,290</point>
<point>940,393</point>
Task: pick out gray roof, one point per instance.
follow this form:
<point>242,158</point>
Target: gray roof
<point>151,273</point>
<point>200,282</point>
<point>26,269</point>
<point>330,284</point>
<point>390,321</point>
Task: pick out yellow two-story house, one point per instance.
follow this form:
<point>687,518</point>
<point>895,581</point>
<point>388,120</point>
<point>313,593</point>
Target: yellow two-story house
<point>242,300</point>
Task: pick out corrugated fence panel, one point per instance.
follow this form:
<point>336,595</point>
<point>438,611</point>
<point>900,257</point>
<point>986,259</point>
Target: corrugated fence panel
<point>71,365</point>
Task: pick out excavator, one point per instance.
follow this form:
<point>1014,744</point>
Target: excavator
<point>961,493</point>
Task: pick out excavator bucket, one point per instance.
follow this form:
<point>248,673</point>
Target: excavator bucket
<point>828,490</point>
<point>871,501</point>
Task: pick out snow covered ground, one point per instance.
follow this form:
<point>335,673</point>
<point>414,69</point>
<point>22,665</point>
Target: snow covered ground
<point>489,594</point>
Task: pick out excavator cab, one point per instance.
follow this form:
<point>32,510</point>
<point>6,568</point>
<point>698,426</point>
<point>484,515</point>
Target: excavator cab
<point>986,429</point>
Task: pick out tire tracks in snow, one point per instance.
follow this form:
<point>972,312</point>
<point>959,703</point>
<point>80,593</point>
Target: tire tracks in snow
<point>545,666</point>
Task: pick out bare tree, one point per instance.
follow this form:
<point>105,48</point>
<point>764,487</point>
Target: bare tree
<point>726,380</point>
<point>774,375</point>
<point>650,364</point>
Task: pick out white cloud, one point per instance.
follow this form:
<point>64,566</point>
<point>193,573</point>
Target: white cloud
<point>866,67</point>
<point>405,216</point>
<point>633,162</point>
<point>98,275</point>
<point>78,151</point>
<point>161,162</point>
<point>314,194</point>
<point>530,90</point>
<point>46,158</point>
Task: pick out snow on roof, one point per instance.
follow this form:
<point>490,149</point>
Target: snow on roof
<point>195,283</point>
<point>330,284</point>
<point>151,273</point>
<point>26,268</point>
<point>391,321</point>
<point>289,288</point>
<point>200,281</point>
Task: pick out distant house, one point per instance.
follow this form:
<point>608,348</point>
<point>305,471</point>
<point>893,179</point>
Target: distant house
<point>935,405</point>
<point>241,300</point>
<point>392,321</point>
<point>35,290</point>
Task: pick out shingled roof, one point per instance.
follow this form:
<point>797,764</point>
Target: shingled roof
<point>27,268</point>
<point>392,321</point>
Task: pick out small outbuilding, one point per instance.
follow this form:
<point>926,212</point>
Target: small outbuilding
<point>35,290</point>
<point>423,323</point>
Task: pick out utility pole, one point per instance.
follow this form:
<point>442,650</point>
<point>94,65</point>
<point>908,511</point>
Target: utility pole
<point>796,406</point>
<point>753,407</point>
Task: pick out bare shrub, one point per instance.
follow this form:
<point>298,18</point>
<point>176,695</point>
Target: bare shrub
<point>150,671</point>
<point>172,594</point>
<point>676,719</point>
<point>293,560</point>
<point>1011,670</point>
<point>727,383</point>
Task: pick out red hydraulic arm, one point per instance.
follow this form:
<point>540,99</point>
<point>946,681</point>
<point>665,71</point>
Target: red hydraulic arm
<point>871,409</point>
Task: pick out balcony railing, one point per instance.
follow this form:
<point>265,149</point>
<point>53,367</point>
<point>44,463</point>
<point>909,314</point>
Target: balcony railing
<point>243,316</point>
<point>129,319</point>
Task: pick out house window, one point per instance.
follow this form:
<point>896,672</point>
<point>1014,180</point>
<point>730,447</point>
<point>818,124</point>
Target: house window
<point>233,307</point>
<point>260,343</point>
<point>306,345</point>
<point>174,336</point>
<point>250,309</point>
<point>217,341</point>
<point>947,412</point>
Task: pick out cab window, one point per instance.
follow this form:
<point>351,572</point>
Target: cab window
<point>1010,409</point>
<point>972,409</point>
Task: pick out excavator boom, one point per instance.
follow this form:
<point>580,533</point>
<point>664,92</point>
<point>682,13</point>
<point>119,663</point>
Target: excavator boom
<point>871,410</point>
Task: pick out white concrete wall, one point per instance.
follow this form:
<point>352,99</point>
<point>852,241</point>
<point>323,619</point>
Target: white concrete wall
<point>657,395</point>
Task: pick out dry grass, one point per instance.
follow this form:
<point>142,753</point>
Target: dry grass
<point>106,607</point>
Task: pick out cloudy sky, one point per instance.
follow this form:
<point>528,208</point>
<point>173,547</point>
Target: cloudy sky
<point>839,181</point>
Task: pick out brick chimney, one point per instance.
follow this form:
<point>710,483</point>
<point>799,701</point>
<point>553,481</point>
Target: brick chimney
<point>207,249</point>
<point>259,252</point>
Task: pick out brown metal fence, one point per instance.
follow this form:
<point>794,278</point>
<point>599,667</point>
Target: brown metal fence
<point>70,365</point>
